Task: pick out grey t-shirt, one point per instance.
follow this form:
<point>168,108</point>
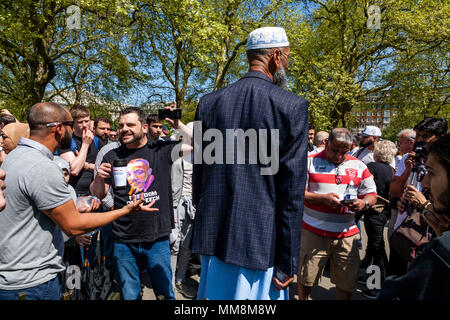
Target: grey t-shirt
<point>365,155</point>
<point>31,245</point>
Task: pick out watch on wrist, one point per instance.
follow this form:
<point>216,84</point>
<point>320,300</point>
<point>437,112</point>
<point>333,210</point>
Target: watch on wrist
<point>367,206</point>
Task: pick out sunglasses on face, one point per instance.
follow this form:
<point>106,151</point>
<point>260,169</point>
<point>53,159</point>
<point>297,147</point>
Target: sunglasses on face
<point>54,124</point>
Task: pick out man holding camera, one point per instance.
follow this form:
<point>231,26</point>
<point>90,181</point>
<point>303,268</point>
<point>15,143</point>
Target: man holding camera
<point>329,229</point>
<point>428,276</point>
<point>141,241</point>
<point>428,130</point>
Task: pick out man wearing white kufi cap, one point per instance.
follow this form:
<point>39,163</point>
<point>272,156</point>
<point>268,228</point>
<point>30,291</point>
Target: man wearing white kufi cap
<point>249,215</point>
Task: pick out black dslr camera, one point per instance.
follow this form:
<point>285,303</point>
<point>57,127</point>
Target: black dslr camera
<point>419,160</point>
<point>420,150</point>
<point>419,170</point>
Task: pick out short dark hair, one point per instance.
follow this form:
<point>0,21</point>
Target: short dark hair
<point>342,135</point>
<point>258,53</point>
<point>7,119</point>
<point>102,119</point>
<point>436,126</point>
<point>138,111</point>
<point>153,118</point>
<point>79,111</point>
<point>311,126</point>
<point>441,148</point>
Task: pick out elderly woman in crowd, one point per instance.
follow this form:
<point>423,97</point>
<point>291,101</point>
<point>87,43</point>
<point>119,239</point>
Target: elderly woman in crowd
<point>10,135</point>
<point>376,217</point>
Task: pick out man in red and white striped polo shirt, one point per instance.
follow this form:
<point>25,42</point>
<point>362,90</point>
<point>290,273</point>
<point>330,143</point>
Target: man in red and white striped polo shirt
<point>329,229</point>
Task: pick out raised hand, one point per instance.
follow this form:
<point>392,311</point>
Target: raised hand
<point>88,136</point>
<point>173,122</point>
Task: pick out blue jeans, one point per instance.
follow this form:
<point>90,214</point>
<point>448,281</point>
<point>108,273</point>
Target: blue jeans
<point>132,259</point>
<point>50,290</point>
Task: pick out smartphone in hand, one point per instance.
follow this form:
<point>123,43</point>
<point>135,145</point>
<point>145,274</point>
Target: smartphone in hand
<point>281,276</point>
<point>171,114</point>
<point>346,202</point>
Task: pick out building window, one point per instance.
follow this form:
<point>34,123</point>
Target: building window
<point>387,113</point>
<point>386,120</point>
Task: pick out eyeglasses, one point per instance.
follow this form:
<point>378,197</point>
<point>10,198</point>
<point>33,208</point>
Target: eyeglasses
<point>338,178</point>
<point>54,124</point>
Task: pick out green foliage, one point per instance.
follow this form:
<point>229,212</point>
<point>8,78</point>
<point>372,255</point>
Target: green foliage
<point>186,48</point>
<point>189,110</point>
<point>338,62</point>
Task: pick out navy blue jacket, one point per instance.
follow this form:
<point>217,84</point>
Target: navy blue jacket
<point>243,217</point>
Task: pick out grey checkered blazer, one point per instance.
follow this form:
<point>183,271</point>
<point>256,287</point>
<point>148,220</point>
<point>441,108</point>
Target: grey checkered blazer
<point>245,218</point>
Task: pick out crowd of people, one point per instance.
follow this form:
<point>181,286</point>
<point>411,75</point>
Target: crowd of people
<point>138,195</point>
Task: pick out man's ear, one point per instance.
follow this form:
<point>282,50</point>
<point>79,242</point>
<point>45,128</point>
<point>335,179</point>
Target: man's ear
<point>145,128</point>
<point>59,129</point>
<point>276,58</point>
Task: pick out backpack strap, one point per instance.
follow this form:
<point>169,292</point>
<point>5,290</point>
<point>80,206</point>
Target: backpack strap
<point>73,146</point>
<point>96,142</point>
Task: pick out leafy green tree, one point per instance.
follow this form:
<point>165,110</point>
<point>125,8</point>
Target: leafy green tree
<point>191,47</point>
<point>339,62</point>
<point>37,48</point>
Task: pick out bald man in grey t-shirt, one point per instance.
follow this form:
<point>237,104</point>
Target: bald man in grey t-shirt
<point>37,203</point>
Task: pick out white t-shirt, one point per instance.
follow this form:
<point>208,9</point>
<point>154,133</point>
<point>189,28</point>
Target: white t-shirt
<point>401,168</point>
<point>316,150</point>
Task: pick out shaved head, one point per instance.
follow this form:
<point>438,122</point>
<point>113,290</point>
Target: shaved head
<point>320,136</point>
<point>46,112</point>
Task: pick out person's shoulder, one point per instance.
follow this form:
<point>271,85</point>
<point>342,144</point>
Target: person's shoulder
<point>353,158</point>
<point>100,144</point>
<point>110,146</point>
<point>374,165</point>
<point>356,163</point>
<point>111,151</point>
<point>317,154</point>
<point>444,242</point>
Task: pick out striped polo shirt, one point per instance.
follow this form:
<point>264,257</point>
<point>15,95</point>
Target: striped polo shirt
<point>321,178</point>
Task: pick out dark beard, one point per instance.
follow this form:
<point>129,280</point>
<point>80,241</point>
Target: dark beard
<point>365,145</point>
<point>444,199</point>
<point>136,137</point>
<point>280,78</point>
<point>66,141</point>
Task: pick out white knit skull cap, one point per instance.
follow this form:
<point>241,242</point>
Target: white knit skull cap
<point>267,37</point>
